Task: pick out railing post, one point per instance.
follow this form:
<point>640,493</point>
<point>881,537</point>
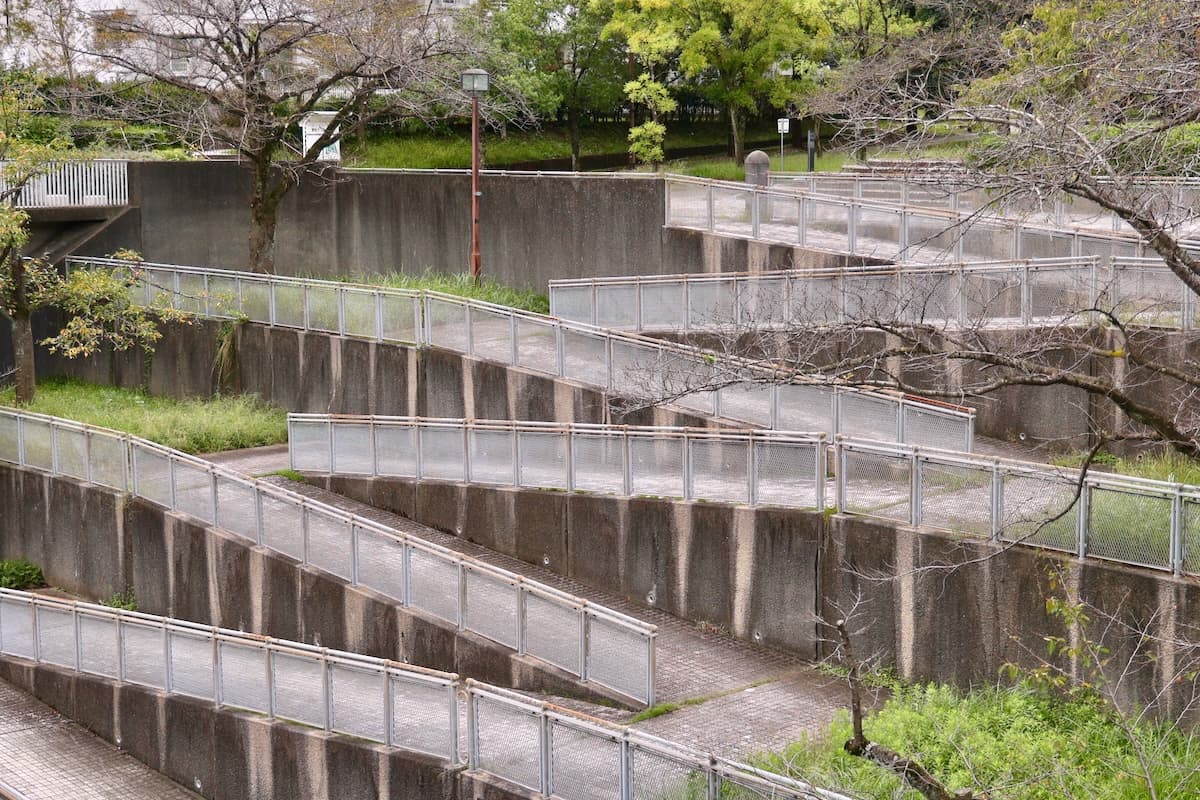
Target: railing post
<point>997,500</point>
<point>711,216</point>
<point>1178,527</point>
<point>914,494</point>
<point>545,753</point>
<point>1083,518</point>
<point>688,493</point>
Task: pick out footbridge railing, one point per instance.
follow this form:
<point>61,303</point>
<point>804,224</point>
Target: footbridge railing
<point>75,183</point>
<point>541,747</point>
<point>750,467</point>
<point>634,366</point>
<point>590,641</point>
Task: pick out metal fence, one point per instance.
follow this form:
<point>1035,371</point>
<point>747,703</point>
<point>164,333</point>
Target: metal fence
<point>751,467</point>
<point>626,364</point>
<point>1119,518</point>
<point>75,183</point>
<point>593,642</point>
<point>535,745</point>
<point>1000,294</point>
<point>878,230</point>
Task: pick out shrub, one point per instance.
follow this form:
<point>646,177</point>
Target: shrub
<point>20,574</point>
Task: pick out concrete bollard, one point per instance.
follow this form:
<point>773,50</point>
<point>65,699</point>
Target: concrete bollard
<point>758,168</point>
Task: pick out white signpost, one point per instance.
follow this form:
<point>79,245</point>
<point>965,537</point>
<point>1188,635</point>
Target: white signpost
<point>313,127</point>
<point>784,124</point>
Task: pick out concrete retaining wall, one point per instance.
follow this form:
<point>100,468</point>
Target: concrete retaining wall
<point>93,543</point>
<point>228,755</point>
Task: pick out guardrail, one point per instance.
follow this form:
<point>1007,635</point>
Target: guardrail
<point>751,467</point>
<point>1135,521</point>
<point>878,230</point>
<point>75,183</point>
<point>538,746</point>
<point>1002,293</point>
<point>626,364</point>
<point>590,641</point>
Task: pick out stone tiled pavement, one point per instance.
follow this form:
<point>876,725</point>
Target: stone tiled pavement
<point>44,756</point>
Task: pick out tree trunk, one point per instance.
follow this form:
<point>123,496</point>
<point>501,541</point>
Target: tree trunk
<point>264,209</point>
<point>737,126</point>
<point>22,333</point>
<point>573,127</point>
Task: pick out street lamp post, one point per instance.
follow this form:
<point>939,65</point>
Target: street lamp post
<point>475,83</point>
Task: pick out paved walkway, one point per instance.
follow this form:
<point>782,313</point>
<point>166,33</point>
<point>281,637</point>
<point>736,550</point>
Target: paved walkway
<point>44,756</point>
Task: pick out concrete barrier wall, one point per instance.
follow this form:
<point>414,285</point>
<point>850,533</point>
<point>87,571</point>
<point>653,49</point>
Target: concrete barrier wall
<point>94,543</point>
<point>223,754</point>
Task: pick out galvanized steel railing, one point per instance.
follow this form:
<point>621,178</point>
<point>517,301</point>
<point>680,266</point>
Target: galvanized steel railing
<point>751,467</point>
<point>1135,521</point>
<point>622,363</point>
<point>590,641</point>
<point>536,745</point>
<point>75,183</point>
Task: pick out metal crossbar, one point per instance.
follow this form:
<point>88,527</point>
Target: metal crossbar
<point>546,748</point>
<point>748,467</point>
<point>411,571</point>
<point>624,363</point>
<point>1136,521</point>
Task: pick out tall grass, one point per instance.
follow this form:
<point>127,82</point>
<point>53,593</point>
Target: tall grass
<point>462,285</point>
<point>193,426</point>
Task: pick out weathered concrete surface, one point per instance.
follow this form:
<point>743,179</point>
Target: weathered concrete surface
<point>94,543</point>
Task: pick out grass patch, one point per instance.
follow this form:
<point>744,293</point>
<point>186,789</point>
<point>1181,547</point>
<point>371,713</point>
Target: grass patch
<point>1155,466</point>
<point>667,708</point>
<point>461,284</point>
<point>126,600</point>
<point>193,426</point>
<point>1025,743</point>
<point>290,474</point>
<point>19,574</point>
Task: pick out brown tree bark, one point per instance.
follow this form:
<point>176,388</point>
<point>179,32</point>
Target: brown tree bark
<point>22,331</point>
<point>266,194</point>
<point>573,127</point>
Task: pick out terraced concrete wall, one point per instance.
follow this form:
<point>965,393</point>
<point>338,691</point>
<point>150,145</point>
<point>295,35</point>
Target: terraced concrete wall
<point>94,543</point>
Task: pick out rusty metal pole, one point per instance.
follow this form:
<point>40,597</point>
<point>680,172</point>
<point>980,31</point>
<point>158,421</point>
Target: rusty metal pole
<point>475,257</point>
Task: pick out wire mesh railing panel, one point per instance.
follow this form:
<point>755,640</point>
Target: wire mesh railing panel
<point>396,450</point>
<point>930,428</point>
<point>987,242</point>
<point>618,657</point>
<point>806,407</point>
<point>748,402</point>
<point>242,679</point>
<point>552,632</point>
<point>38,444</point>
<point>1059,294</point>
<point>585,358</point>
<point>732,210</point>
<point>762,302</point>
<point>491,335</point>
<point>191,296</point>
<point>330,543</point>
<point>877,485</point>
<point>299,683</point>
<point>255,300</point>
<point>99,649</point>
<point>929,297</point>
<point>433,584</point>
<point>572,303</point>
<point>72,449</point>
<point>1132,527</point>
<point>192,668</point>
<point>237,507</point>
<point>599,462</point>
<point>401,318</point>
<point>867,417</point>
<point>542,459</point>
<point>664,306</point>
<point>508,742</point>
<point>877,231</point>
<point>994,296</point>
<point>731,788</point>
<point>826,225</point>
<point>323,308</point>
<point>871,297</point>
<point>711,304</point>
<point>1189,531</point>
<point>56,636</point>
<point>687,204</point>
<point>720,470</point>
<point>815,300</point>
<point>656,467</point>
<point>1144,296</point>
<point>109,460</point>
<point>17,637</point>
<point>443,454</point>
<point>353,448</point>
<point>152,475</point>
<point>289,304</point>
<point>657,776</point>
<point>537,346</point>
<point>1040,510</point>
<point>492,456</point>
<point>10,438</point>
<point>1044,244</point>
<point>616,305</point>
<point>193,490</point>
<point>381,563</point>
<point>361,317</point>
<point>283,525</point>
<point>356,702</point>
<point>143,653</point>
<point>424,717</point>
<point>956,498</point>
<point>930,239</point>
<point>446,324</point>
<point>309,445</point>
<point>491,607</point>
<point>787,474</point>
<point>584,764</point>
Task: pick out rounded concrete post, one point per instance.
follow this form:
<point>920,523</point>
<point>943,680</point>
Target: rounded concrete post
<point>758,168</point>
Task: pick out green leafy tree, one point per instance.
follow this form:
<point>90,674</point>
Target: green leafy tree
<point>738,54</point>
<point>554,50</point>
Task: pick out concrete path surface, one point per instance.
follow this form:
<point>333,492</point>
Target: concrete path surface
<point>44,756</point>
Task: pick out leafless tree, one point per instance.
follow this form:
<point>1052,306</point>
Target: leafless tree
<point>249,71</point>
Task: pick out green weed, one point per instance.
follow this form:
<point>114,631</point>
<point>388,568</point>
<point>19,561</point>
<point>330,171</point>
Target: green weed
<point>19,574</point>
<point>462,285</point>
<point>126,600</point>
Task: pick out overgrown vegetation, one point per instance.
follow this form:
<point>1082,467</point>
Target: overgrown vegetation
<point>193,426</point>
<point>461,284</point>
<point>126,600</point>
<point>19,574</point>
<point>1169,466</point>
<point>1023,742</point>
